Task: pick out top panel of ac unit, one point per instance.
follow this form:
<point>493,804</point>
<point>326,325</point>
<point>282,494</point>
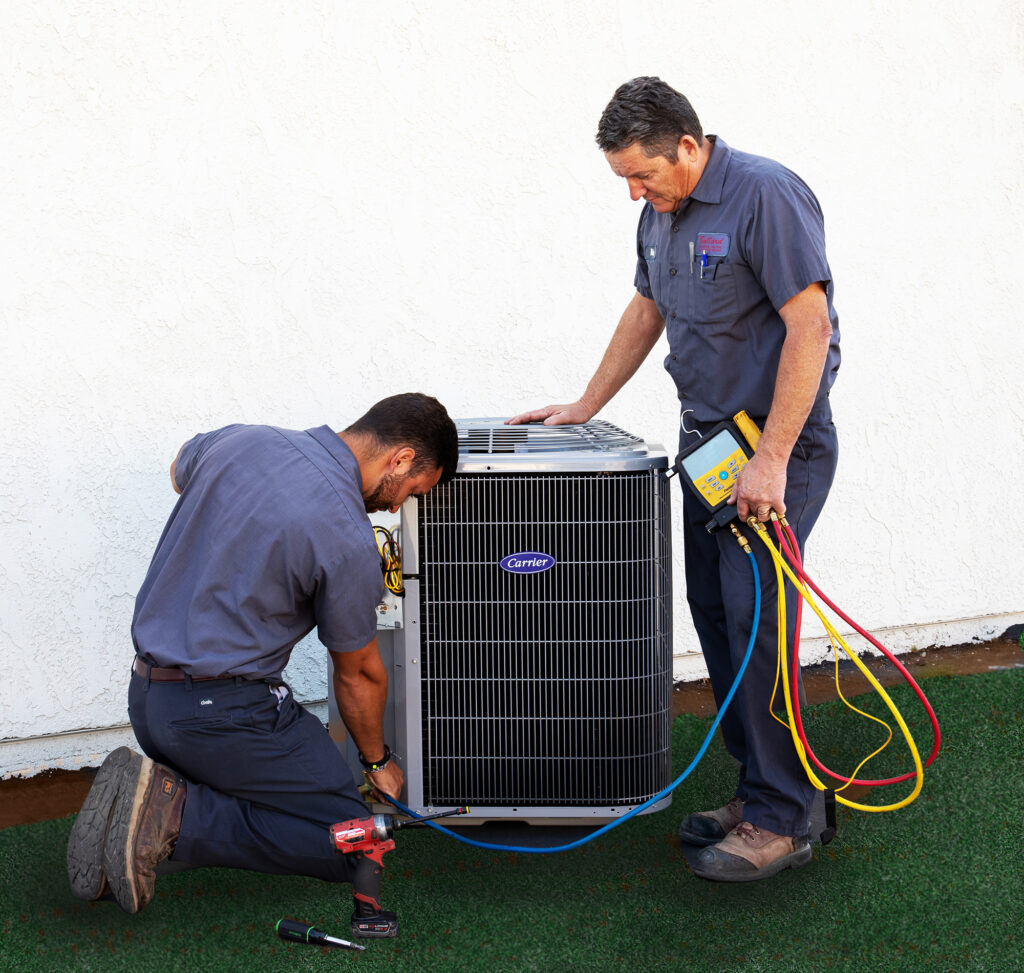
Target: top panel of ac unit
<point>488,445</point>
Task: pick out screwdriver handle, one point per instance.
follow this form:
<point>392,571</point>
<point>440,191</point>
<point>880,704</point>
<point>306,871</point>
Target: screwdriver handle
<point>299,932</point>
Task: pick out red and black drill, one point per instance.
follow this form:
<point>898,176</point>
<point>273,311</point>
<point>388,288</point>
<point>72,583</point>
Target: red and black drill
<point>371,837</point>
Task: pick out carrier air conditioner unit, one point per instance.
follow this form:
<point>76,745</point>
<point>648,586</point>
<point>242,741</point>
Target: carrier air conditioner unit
<point>531,656</point>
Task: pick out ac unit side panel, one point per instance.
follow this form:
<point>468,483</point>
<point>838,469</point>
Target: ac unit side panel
<point>406,691</point>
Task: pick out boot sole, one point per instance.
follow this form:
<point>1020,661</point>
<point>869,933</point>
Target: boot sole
<point>119,848</point>
<point>88,833</point>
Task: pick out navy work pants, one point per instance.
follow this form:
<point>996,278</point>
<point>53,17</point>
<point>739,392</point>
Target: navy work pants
<point>264,784</point>
<point>719,589</point>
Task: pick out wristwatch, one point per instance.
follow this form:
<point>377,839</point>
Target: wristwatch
<point>377,764</point>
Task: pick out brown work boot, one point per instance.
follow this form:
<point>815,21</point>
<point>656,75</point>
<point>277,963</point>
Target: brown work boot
<point>88,833</point>
<point>143,829</point>
<point>708,827</point>
<point>748,854</point>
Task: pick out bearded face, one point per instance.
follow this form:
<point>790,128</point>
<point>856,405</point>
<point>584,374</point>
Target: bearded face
<point>392,489</point>
<point>386,495</point>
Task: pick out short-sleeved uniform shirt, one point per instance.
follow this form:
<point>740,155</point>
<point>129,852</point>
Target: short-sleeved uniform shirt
<point>748,238</point>
<point>269,538</point>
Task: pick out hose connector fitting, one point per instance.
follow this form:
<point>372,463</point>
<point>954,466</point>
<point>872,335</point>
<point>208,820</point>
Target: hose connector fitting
<point>740,539</point>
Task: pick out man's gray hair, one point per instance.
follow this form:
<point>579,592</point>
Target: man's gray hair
<point>647,111</point>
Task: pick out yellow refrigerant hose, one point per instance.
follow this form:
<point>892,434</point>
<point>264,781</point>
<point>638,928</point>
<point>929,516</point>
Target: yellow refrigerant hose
<point>782,567</point>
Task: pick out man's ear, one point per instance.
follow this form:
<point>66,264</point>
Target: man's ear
<point>688,148</point>
<point>401,460</point>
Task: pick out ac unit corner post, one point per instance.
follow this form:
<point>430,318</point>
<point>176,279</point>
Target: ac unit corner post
<point>532,668</point>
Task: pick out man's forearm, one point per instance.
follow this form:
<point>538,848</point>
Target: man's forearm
<point>360,690</point>
<point>364,720</point>
<point>361,695</point>
<point>801,362</point>
<point>761,486</point>
<point>800,367</point>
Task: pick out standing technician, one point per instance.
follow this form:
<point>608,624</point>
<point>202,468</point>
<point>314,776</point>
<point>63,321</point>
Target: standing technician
<point>269,538</point>
<point>731,263</point>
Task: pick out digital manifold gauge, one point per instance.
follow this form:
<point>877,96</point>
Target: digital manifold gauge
<point>711,466</point>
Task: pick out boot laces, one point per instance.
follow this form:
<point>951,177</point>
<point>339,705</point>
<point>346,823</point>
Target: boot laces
<point>746,830</point>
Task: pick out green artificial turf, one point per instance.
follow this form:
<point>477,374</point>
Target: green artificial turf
<point>934,886</point>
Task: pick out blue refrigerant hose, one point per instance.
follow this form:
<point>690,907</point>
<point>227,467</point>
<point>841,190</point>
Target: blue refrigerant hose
<point>646,804</point>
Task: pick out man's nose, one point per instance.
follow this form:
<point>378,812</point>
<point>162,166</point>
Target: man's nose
<point>636,189</point>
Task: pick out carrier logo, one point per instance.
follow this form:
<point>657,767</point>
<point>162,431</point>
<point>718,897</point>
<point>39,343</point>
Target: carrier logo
<point>527,562</point>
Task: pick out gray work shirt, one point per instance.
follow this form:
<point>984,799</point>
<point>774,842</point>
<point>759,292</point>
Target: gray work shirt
<point>269,538</point>
<point>748,238</point>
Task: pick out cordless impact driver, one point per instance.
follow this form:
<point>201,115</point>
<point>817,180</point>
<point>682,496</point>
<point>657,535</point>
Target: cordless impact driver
<point>371,838</point>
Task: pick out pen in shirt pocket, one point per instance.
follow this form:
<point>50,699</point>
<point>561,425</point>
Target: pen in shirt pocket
<point>691,258</point>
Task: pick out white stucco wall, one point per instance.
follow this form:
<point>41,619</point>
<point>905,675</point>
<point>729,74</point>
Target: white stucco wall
<point>222,211</point>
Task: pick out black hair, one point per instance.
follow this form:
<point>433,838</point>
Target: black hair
<point>647,111</point>
<point>415,420</point>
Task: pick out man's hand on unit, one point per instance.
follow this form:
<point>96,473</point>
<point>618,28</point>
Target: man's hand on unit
<point>572,413</point>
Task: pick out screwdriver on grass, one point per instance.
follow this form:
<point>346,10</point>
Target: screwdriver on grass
<point>302,932</point>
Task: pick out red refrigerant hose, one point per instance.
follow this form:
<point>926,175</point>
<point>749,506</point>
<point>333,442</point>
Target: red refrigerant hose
<point>789,547</point>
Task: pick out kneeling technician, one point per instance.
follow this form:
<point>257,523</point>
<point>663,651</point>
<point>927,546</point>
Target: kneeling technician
<point>269,538</point>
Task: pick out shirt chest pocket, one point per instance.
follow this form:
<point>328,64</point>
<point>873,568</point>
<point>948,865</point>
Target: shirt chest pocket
<point>713,300</point>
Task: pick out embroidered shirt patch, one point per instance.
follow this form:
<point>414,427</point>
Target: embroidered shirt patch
<point>713,244</point>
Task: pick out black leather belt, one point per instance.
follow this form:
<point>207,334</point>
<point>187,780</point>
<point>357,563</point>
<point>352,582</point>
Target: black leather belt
<point>160,674</point>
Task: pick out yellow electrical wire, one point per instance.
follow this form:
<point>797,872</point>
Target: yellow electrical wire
<point>834,635</point>
<point>390,559</point>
